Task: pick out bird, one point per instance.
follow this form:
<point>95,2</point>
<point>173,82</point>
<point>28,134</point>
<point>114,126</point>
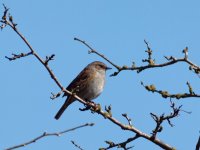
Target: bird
<point>88,85</point>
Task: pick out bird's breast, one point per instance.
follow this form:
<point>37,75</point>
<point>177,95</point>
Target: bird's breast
<point>95,86</point>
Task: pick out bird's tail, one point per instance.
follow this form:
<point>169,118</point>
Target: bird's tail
<point>64,106</point>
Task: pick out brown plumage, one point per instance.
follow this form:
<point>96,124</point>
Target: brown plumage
<point>87,85</point>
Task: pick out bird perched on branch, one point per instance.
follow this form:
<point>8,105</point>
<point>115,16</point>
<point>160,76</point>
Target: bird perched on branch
<point>87,85</point>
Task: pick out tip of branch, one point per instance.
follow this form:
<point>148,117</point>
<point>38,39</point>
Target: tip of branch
<point>4,6</point>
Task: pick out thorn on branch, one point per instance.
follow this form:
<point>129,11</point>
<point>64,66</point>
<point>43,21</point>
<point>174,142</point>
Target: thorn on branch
<point>76,145</point>
<point>5,13</point>
<point>127,118</point>
<point>54,96</point>
<point>16,56</point>
<point>121,144</point>
<point>49,58</point>
<point>150,61</point>
<point>190,88</point>
<point>147,44</point>
<point>185,51</point>
<point>170,58</point>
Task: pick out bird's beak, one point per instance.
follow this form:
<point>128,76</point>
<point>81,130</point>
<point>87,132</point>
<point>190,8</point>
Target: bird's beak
<point>108,68</point>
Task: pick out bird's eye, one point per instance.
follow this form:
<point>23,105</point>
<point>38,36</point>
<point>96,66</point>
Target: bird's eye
<point>101,66</point>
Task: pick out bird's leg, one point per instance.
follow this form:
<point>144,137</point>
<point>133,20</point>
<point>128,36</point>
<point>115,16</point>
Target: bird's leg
<point>87,107</point>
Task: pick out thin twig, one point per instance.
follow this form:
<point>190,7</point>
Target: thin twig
<point>54,96</point>
<point>32,51</point>
<point>49,58</point>
<point>121,144</point>
<point>166,94</point>
<point>76,145</point>
<point>45,134</point>
<point>170,61</point>
<point>149,51</point>
<point>16,56</point>
<point>127,118</point>
<point>160,119</point>
<point>94,51</point>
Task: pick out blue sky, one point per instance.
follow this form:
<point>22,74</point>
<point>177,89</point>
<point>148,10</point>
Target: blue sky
<point>116,29</point>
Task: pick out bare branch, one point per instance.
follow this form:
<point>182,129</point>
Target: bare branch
<point>190,88</point>
<point>94,51</point>
<point>45,134</point>
<point>185,51</point>
<point>151,62</point>
<point>5,12</point>
<point>33,52</point>
<point>16,56</point>
<point>76,145</point>
<point>166,94</point>
<point>95,108</point>
<point>120,145</point>
<point>49,58</point>
<point>149,52</point>
<point>160,119</point>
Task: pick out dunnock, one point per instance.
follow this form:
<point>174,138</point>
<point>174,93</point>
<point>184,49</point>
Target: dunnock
<point>87,85</point>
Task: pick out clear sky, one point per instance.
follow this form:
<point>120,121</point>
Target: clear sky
<point>116,29</point>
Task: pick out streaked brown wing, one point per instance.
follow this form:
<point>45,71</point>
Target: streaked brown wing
<point>78,81</point>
